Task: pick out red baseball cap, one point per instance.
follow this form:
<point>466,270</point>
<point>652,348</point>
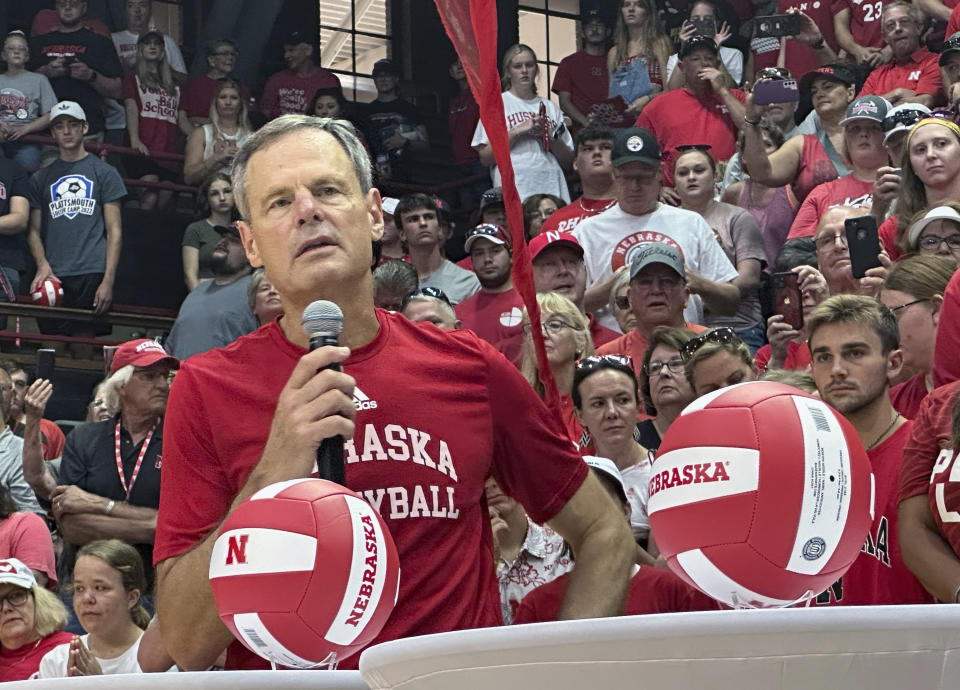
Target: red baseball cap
<point>141,353</point>
<point>552,239</point>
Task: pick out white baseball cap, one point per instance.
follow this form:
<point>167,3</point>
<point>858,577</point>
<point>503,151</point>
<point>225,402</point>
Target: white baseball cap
<point>68,108</point>
<point>608,468</point>
<point>937,213</point>
<point>15,572</point>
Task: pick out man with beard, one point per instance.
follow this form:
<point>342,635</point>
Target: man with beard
<point>290,91</point>
<point>855,345</point>
<point>495,313</point>
<point>217,312</point>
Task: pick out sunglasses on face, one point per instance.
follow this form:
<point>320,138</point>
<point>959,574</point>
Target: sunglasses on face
<point>720,335</point>
<point>429,291</point>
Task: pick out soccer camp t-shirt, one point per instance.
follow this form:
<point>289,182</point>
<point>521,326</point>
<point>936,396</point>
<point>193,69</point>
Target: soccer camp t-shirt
<point>437,413</point>
<point>71,196</point>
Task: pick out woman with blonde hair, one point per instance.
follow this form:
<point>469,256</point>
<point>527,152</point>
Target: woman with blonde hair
<point>211,148</point>
<point>637,62</point>
<point>32,620</point>
<point>566,337</point>
<point>540,144</point>
<point>108,584</point>
<point>717,359</point>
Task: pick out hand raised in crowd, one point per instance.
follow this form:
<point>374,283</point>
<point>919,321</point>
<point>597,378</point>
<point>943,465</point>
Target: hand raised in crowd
<point>67,499</point>
<point>36,398</point>
<point>81,661</point>
<point>687,30</point>
<point>812,283</point>
<point>809,31</point>
<point>779,335</point>
<point>80,71</point>
<point>751,110</point>
<point>885,189</point>
<point>715,76</point>
<point>873,278</point>
<point>723,34</point>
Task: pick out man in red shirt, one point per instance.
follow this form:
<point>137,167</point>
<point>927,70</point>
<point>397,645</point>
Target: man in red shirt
<point>495,313</point>
<point>291,90</point>
<point>582,79</point>
<point>856,24</point>
<point>198,93</point>
<point>594,144</point>
<point>558,266</point>
<point>913,74</point>
<point>704,111</point>
<point>855,345</point>
<point>427,415</point>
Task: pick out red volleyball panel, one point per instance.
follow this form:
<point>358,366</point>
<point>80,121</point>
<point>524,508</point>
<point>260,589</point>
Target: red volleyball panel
<point>313,489</point>
<point>273,513</point>
<point>724,520</point>
<point>763,577</point>
<point>730,427</point>
<point>748,395</point>
<point>293,632</point>
<point>260,592</point>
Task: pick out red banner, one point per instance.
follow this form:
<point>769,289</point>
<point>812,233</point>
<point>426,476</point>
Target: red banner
<point>472,27</point>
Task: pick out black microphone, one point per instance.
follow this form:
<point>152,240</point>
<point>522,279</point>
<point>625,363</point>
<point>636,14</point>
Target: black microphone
<point>323,321</point>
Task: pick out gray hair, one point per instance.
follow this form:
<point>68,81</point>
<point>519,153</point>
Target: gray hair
<point>396,275</point>
<point>914,12</point>
<point>447,310</point>
<point>116,381</point>
<point>623,278</point>
<point>341,130</point>
<point>255,279</point>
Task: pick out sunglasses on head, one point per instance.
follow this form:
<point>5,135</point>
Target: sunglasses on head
<point>907,118</point>
<point>778,73</point>
<point>721,335</point>
<point>683,148</point>
<point>429,291</point>
<point>593,362</point>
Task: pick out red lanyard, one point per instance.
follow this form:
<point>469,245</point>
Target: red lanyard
<point>136,468</point>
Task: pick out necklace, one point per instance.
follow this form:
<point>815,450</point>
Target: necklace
<point>594,213</point>
<point>885,432</point>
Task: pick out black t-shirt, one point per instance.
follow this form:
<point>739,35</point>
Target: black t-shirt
<point>13,182</point>
<point>645,433</point>
<point>380,120</point>
<point>96,51</point>
<point>89,462</point>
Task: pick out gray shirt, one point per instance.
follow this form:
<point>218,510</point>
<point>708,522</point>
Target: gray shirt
<point>457,283</point>
<point>11,473</point>
<point>211,316</point>
<point>25,97</point>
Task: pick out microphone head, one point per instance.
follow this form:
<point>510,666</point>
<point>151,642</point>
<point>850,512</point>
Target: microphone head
<point>322,318</point>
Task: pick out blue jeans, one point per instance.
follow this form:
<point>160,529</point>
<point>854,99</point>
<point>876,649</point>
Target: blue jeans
<point>755,337</point>
<point>27,155</point>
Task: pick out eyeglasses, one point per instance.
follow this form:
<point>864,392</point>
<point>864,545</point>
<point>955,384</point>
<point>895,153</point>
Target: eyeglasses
<point>15,597</point>
<point>550,327</point>
<point>533,215</point>
<point>930,242</point>
<point>894,23</point>
<point>778,73</point>
<point>428,291</point>
<point>674,365</point>
<point>907,118</point>
<point>825,241</point>
<point>908,304</point>
<point>588,364</point>
<point>721,335</point>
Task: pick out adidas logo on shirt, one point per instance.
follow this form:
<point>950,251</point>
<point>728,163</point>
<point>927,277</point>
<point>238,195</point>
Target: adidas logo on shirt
<point>362,402</point>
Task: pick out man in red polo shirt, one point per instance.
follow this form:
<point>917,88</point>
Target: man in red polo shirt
<point>704,108</point>
<point>594,144</point>
<point>913,75</point>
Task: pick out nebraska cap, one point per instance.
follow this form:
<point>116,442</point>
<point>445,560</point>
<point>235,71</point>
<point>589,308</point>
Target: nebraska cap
<point>15,572</point>
<point>141,353</point>
<point>552,238</point>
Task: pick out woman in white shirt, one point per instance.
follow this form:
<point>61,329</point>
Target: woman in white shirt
<point>108,580</point>
<point>540,144</point>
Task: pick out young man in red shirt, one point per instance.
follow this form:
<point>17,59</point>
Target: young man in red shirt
<point>704,108</point>
<point>856,24</point>
<point>449,413</point>
<point>291,90</point>
<point>594,144</point>
<point>854,342</point>
<point>913,73</point>
<point>582,79</point>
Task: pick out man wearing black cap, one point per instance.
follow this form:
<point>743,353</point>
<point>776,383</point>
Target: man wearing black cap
<point>290,90</point>
<point>704,111</point>
<point>392,125</point>
<point>950,67</point>
<point>912,75</point>
<point>217,312</point>
<point>495,312</point>
<point>582,79</point>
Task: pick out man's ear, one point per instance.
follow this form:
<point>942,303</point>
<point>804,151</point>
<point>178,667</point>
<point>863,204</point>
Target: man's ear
<point>375,209</point>
<point>894,364</point>
<point>249,244</point>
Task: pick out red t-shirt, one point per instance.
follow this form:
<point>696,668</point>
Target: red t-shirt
<point>600,334</point>
<point>879,575</point>
<point>26,536</point>
<point>463,113</point>
<point>23,662</point>
<point>946,364</point>
<point>816,167</point>
<point>634,345</point>
<point>585,77</point>
<point>46,21</point>
<point>930,466</point>
<point>844,191</point>
<point>953,24</point>
<point>566,218</point>
<point>287,92</point>
<point>679,117</point>
<point>921,73</point>
<point>497,318</point>
<point>442,412</point>
<point>198,93</point>
<point>888,237</point>
<point>652,590</point>
<point>864,21</point>
<point>158,116</point>
<point>798,357</point>
<point>907,396</point>
<point>800,57</point>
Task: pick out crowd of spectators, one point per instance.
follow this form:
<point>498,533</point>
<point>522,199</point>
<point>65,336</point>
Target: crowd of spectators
<point>685,234</point>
